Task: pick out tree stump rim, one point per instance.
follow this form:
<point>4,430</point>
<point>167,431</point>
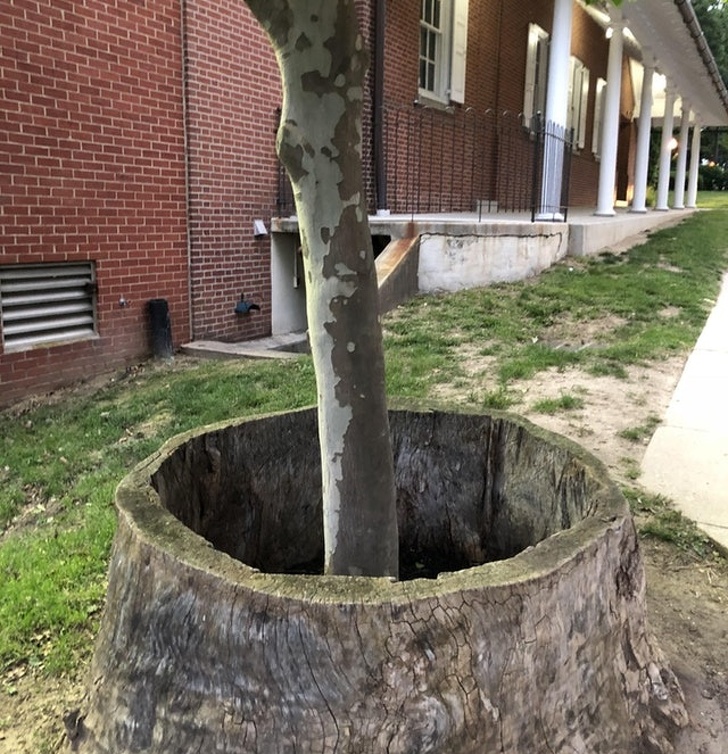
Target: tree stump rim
<point>138,502</point>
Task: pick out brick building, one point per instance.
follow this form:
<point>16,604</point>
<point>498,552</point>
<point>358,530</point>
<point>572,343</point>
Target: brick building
<point>92,185</point>
<point>137,151</point>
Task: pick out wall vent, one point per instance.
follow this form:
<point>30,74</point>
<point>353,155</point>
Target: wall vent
<point>43,304</point>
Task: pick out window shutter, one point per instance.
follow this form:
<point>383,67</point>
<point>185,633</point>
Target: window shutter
<point>573,70</point>
<point>459,50</point>
<point>530,85</point>
<point>584,99</point>
<point>598,104</point>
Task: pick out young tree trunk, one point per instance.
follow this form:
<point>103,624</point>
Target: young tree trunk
<point>322,60</point>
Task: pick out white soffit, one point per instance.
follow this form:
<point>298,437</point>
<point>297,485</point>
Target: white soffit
<point>660,29</point>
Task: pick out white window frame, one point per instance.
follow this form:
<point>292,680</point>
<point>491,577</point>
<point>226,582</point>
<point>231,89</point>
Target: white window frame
<point>600,94</point>
<point>47,304</point>
<point>578,100</point>
<point>537,66</point>
<point>450,37</point>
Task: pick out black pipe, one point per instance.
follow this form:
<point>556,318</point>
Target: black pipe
<point>380,175</point>
<point>160,328</point>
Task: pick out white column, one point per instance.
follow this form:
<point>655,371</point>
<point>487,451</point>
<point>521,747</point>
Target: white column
<point>644,128</point>
<point>694,166</point>
<point>557,98</point>
<point>610,131</point>
<point>682,158</point>
<point>663,179</point>
<point>557,103</point>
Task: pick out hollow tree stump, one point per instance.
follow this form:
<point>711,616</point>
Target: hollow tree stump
<point>532,638</point>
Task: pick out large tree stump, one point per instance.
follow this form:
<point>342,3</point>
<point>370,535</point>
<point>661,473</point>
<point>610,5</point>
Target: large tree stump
<point>532,638</point>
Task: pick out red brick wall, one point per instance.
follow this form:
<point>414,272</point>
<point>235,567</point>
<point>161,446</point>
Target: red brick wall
<point>92,168</point>
<point>496,69</point>
<point>233,92</point>
<point>590,45</point>
<point>367,26</point>
<point>513,48</point>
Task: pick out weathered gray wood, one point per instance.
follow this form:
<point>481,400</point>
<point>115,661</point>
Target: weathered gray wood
<point>546,651</point>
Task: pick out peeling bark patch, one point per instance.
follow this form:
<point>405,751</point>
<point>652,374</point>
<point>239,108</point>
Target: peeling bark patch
<point>291,154</point>
<point>349,242</point>
<point>277,18</point>
<point>316,83</point>
<point>347,139</point>
<point>303,43</point>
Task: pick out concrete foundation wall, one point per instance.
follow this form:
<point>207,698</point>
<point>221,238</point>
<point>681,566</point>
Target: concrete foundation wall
<point>288,285</point>
<point>456,259</point>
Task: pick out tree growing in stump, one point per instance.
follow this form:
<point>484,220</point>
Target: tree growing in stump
<point>323,61</point>
<point>546,651</point>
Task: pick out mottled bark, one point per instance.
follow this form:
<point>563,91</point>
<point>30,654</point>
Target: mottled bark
<point>322,60</point>
<point>546,652</point>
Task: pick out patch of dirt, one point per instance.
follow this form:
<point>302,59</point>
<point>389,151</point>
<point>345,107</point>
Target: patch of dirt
<point>33,710</point>
<point>687,595</point>
<point>572,336</point>
<point>688,614</point>
<point>612,406</point>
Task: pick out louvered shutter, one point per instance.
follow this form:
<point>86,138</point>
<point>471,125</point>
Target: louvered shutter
<point>42,304</point>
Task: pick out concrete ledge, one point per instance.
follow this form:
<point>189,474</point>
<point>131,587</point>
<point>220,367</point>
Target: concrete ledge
<point>591,234</point>
<point>397,269</point>
<point>288,346</point>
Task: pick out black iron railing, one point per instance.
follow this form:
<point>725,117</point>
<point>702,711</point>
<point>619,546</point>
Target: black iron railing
<point>444,161</point>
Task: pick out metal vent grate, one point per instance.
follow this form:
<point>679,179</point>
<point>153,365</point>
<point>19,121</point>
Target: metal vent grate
<point>47,303</point>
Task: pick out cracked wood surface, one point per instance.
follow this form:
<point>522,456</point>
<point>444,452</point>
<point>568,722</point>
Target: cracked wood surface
<point>546,651</point>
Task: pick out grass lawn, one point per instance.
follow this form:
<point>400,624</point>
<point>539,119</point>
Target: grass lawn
<point>60,461</point>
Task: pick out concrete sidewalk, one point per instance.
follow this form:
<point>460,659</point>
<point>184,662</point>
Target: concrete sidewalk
<point>687,458</point>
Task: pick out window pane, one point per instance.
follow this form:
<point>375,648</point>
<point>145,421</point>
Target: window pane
<point>427,11</point>
<point>435,42</point>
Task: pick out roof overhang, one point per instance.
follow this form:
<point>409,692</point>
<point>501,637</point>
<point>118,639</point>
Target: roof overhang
<point>667,33</point>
